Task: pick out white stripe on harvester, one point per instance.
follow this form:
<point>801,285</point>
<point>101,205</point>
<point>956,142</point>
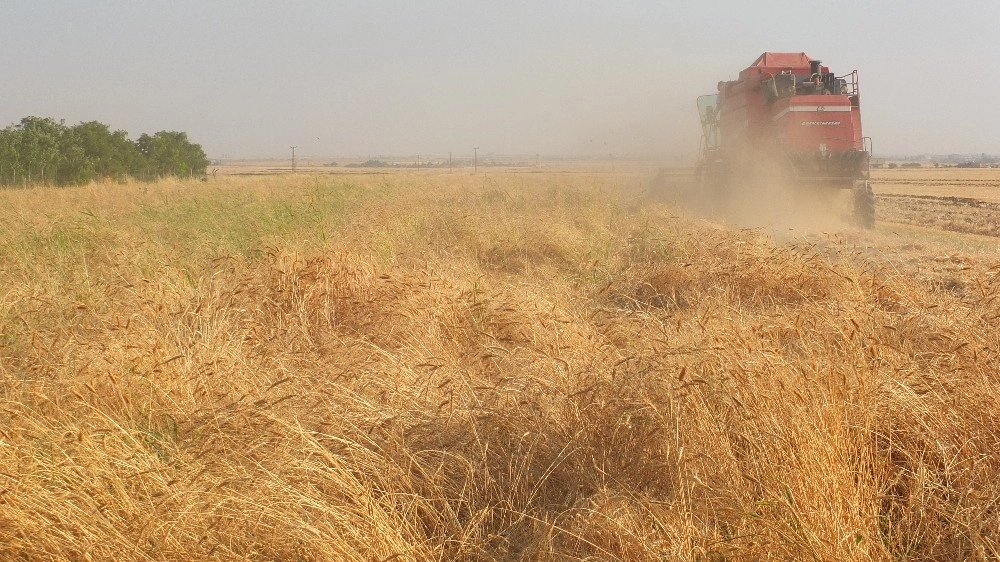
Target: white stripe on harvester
<point>817,108</point>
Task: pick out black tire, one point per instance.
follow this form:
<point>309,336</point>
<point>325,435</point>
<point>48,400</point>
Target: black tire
<point>864,206</point>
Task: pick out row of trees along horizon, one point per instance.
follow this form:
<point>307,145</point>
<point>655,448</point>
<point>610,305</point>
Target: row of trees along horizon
<point>41,150</point>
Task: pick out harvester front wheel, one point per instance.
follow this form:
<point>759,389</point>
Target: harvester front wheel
<point>864,206</point>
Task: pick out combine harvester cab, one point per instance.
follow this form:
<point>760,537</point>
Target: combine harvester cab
<point>787,118</point>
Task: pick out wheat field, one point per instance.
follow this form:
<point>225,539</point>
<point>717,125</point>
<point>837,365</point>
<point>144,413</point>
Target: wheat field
<point>504,366</point>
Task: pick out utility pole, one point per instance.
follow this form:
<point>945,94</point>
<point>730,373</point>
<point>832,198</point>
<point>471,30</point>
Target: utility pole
<point>475,160</point>
<point>293,158</point>
<point>449,161</point>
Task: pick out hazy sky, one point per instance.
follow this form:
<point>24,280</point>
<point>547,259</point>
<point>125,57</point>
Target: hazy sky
<point>394,78</point>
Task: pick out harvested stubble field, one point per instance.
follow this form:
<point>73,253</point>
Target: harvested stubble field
<point>953,199</point>
<point>433,366</point>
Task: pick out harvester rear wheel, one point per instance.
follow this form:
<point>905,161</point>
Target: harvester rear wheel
<point>864,206</point>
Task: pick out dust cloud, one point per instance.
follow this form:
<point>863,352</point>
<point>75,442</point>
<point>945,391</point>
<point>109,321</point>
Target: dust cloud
<point>761,201</point>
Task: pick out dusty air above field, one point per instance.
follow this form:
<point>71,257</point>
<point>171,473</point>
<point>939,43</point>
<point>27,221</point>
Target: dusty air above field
<point>252,79</point>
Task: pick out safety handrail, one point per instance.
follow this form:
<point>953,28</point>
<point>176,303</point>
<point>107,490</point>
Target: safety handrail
<point>852,83</point>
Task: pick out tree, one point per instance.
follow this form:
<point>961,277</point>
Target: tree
<point>41,150</point>
<point>171,153</point>
<point>101,153</point>
<point>8,156</point>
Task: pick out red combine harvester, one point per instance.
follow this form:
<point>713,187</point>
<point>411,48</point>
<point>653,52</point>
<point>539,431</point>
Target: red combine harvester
<point>786,119</point>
